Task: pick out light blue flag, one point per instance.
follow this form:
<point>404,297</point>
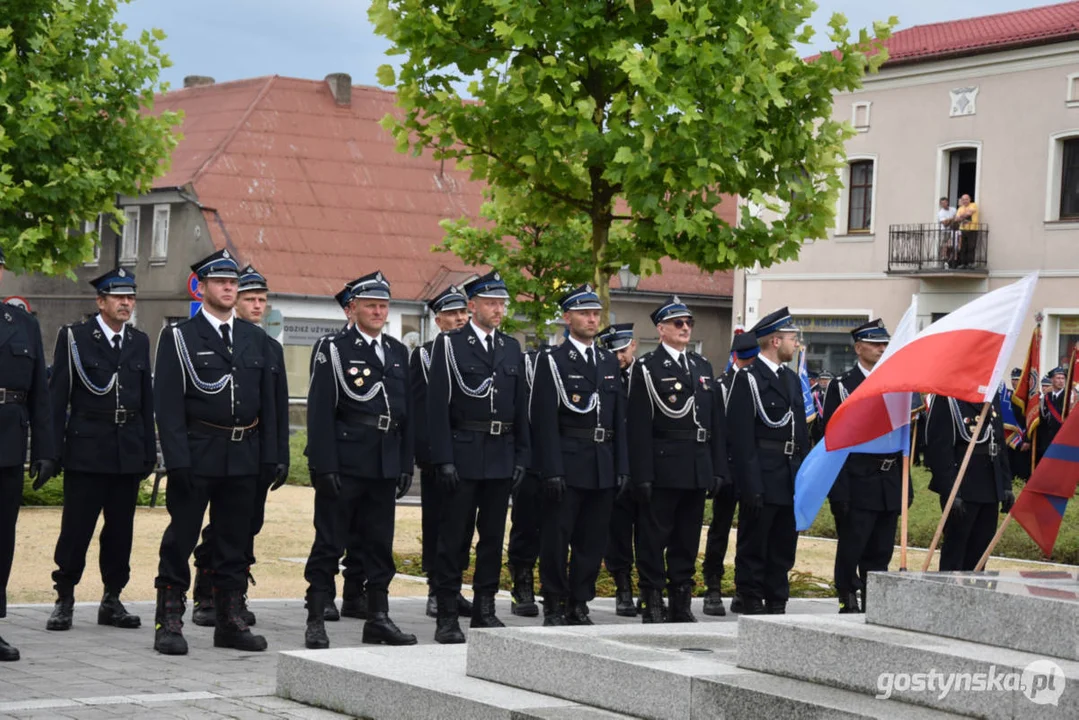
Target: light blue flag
<point>807,392</point>
<point>820,469</point>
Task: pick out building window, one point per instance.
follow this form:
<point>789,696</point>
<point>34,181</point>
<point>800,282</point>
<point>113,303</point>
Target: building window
<point>860,116</point>
<point>129,241</point>
<point>1072,98</point>
<point>91,226</point>
<point>1069,180</point>
<point>159,249</point>
<point>860,197</point>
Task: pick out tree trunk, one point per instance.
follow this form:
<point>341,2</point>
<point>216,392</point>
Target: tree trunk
<point>601,276</point>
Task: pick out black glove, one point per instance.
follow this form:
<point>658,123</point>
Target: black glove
<point>958,508</point>
<point>403,484</point>
<point>181,478</point>
<point>329,483</point>
<point>447,477</point>
<point>752,505</point>
<point>622,481</point>
<point>41,471</point>
<point>642,492</point>
<point>518,476</point>
<point>554,488</point>
<point>1008,502</point>
<point>713,490</point>
<point>518,481</point>
<point>280,475</point>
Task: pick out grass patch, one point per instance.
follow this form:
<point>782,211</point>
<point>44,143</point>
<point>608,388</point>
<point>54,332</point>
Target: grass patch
<point>52,494</point>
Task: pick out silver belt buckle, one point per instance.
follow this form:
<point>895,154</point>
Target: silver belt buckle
<point>237,434</point>
<point>496,427</point>
<point>702,435</point>
<point>384,423</point>
<point>120,416</point>
<point>599,435</point>
<point>886,464</point>
<point>993,448</point>
<point>788,448</point>
<point>3,396</point>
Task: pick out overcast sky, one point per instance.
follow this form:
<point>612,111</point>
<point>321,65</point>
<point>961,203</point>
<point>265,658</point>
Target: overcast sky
<point>233,39</point>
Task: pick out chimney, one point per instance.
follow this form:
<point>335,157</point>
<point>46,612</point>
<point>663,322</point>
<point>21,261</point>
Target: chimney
<point>341,87</point>
<point>191,81</point>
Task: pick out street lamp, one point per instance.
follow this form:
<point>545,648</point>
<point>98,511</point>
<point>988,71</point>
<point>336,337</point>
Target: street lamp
<point>628,278</point>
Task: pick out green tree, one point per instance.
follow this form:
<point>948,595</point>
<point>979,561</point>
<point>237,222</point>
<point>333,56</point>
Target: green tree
<point>74,126</point>
<point>640,112</point>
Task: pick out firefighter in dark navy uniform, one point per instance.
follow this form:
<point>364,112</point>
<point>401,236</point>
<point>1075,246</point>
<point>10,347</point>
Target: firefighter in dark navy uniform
<point>744,348</point>
<point>101,371</point>
<point>578,414</point>
<point>24,406</point>
<point>216,406</point>
<point>450,308</point>
<point>768,437</point>
<point>677,455</point>
<point>250,306</point>
<point>477,406</point>
<point>1052,409</point>
<point>360,439</point>
<point>867,494</point>
<point>618,338</point>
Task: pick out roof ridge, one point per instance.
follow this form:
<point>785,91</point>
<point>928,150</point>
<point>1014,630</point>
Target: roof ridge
<point>992,16</point>
<point>235,129</point>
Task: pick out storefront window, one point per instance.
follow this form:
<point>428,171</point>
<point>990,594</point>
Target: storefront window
<point>300,335</point>
<point>1068,338</point>
<point>828,342</point>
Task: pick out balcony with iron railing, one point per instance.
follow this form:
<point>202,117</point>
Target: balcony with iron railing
<point>934,250</point>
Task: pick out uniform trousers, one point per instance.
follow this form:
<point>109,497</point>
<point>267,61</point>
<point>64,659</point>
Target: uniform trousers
<point>967,537</point>
<point>474,503</point>
<point>526,519</point>
<point>866,542</point>
<point>10,501</point>
<point>86,496</point>
<point>578,526</point>
<point>619,555</point>
<point>719,533</point>
<point>765,555</point>
<point>258,517</point>
<point>231,500</point>
<point>352,562</point>
<point>363,515</point>
<point>670,524</point>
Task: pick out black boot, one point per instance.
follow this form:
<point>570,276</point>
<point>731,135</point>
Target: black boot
<point>682,605</point>
<point>464,607</point>
<point>713,598</point>
<point>652,610</point>
<point>577,614</point>
<point>554,611</point>
<point>202,598</point>
<point>62,610</point>
<point>329,613</point>
<point>353,600</point>
<point>7,652</point>
<point>776,607</point>
<point>447,629</point>
<point>623,595</point>
<point>523,597</point>
<point>752,606</point>
<point>231,630</point>
<point>112,612</point>
<point>314,636</point>
<point>379,629</point>
<point>736,603</point>
<point>848,603</point>
<point>245,612</point>
<point>432,605</point>
<point>483,614</point>
<point>169,622</point>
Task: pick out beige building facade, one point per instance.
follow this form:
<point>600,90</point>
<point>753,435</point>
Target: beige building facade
<point>1001,126</point>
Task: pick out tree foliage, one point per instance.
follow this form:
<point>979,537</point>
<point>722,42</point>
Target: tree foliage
<point>74,131</point>
<point>646,112</point>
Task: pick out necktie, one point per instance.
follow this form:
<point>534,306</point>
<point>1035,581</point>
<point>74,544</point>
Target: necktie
<point>490,345</point>
<point>116,343</point>
<point>226,336</point>
<point>682,363</point>
<point>588,357</point>
<point>379,351</point>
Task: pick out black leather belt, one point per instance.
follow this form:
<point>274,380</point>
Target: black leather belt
<point>868,462</point>
<point>119,416</point>
<point>490,427</point>
<point>787,448</point>
<point>701,435</point>
<point>12,397</point>
<point>383,423</point>
<point>236,433</point>
<point>596,435</point>
<point>987,448</point>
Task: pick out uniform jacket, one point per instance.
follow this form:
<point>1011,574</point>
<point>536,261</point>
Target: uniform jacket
<point>1052,407</point>
<point>478,455</point>
<point>761,465</point>
<point>310,374</point>
<point>22,369</point>
<point>181,406</point>
<point>723,393</point>
<point>583,462</point>
<point>418,367</point>
<point>861,481</point>
<point>280,381</point>
<point>987,475</point>
<point>339,441</point>
<point>111,433</point>
<point>684,464</point>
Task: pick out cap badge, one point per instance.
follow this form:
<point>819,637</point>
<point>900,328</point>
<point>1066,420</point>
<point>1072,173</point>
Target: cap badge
<point>677,300</point>
<point>225,254</point>
<point>122,273</point>
<point>498,277</point>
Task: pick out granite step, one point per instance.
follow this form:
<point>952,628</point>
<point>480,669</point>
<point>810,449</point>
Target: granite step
<point>425,682</point>
<point>843,651</point>
<point>665,672</point>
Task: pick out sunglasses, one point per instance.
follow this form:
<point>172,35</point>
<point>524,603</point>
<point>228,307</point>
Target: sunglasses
<point>682,322</point>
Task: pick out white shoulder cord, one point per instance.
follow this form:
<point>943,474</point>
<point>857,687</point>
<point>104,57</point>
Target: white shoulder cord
<point>987,430</point>
<point>593,400</point>
<point>775,425</point>
<point>724,392</point>
<point>843,394</point>
<point>74,361</point>
<point>484,388</point>
<point>425,363</point>
<point>342,383</point>
<point>657,401</point>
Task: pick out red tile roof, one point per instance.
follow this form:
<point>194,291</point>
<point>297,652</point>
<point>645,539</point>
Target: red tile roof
<point>314,194</point>
<point>989,33</point>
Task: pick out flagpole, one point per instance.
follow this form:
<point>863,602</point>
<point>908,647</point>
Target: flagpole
<point>955,486</point>
<point>905,495</point>
<point>993,543</point>
<point>1033,449</point>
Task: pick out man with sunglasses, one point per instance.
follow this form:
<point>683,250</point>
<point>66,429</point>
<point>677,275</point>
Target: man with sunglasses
<point>768,437</point>
<point>676,455</point>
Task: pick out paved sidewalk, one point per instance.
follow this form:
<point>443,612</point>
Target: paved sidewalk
<point>94,673</point>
